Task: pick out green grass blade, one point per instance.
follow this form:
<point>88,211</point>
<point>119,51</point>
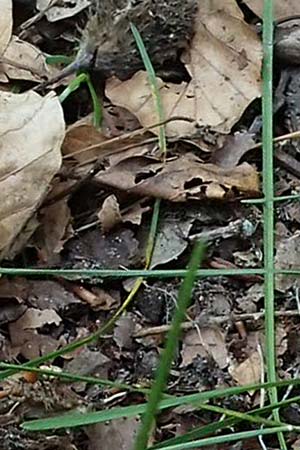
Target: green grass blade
<point>153,85</point>
<point>227,438</point>
<point>192,399</point>
<point>268,188</point>
<point>184,298</point>
<point>214,427</point>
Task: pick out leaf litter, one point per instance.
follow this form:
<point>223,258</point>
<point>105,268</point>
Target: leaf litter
<point>55,214</point>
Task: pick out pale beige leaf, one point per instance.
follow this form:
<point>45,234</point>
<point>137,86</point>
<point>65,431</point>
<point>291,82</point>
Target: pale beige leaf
<point>31,133</point>
<point>224,62</point>
<point>27,62</point>
<point>109,214</point>
<point>55,11</point>
<point>5,24</point>
<point>282,8</point>
<point>249,371</point>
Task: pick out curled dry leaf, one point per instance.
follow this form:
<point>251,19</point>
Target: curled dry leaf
<point>84,142</point>
<point>110,214</point>
<point>249,371</point>
<point>282,9</point>
<point>180,179</point>
<point>28,62</point>
<point>31,130</point>
<point>5,24</point>
<point>224,58</point>
<point>55,11</point>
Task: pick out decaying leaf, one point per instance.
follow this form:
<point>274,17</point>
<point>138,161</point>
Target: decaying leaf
<point>89,362</point>
<point>172,234</point>
<point>114,435</point>
<point>24,335</point>
<point>110,214</point>
<point>93,249</point>
<point>179,179</point>
<point>249,371</point>
<point>224,58</point>
<point>27,62</point>
<point>204,342</point>
<point>5,24</point>
<point>61,10</point>
<point>287,258</point>
<point>55,228</point>
<point>84,142</point>
<point>234,148</point>
<point>31,131</point>
<point>282,8</point>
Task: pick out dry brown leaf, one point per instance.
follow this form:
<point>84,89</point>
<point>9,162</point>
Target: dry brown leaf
<point>23,54</point>
<point>61,10</point>
<point>5,24</point>
<point>208,341</point>
<point>113,435</point>
<point>234,148</point>
<point>287,258</point>
<point>55,228</point>
<point>182,178</point>
<point>249,371</point>
<point>31,130</point>
<point>224,59</point>
<point>82,134</point>
<point>109,214</point>
<point>34,318</point>
<point>25,338</point>
<point>282,8</point>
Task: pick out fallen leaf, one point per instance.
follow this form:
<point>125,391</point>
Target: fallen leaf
<point>287,258</point>
<point>10,311</point>
<point>249,371</point>
<point>182,178</point>
<point>5,24</point>
<point>23,54</point>
<point>109,214</point>
<point>84,142</point>
<point>282,8</point>
<point>224,58</point>
<point>208,341</point>
<point>45,294</point>
<point>54,230</point>
<point>31,130</point>
<point>99,299</point>
<point>172,235</point>
<point>61,10</point>
<point>96,250</point>
<point>123,332</point>
<point>34,318</point>
<point>114,435</point>
<point>234,148</point>
<point>25,338</point>
<point>89,362</point>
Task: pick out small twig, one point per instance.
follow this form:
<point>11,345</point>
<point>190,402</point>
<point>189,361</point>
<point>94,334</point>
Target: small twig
<point>218,320</point>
